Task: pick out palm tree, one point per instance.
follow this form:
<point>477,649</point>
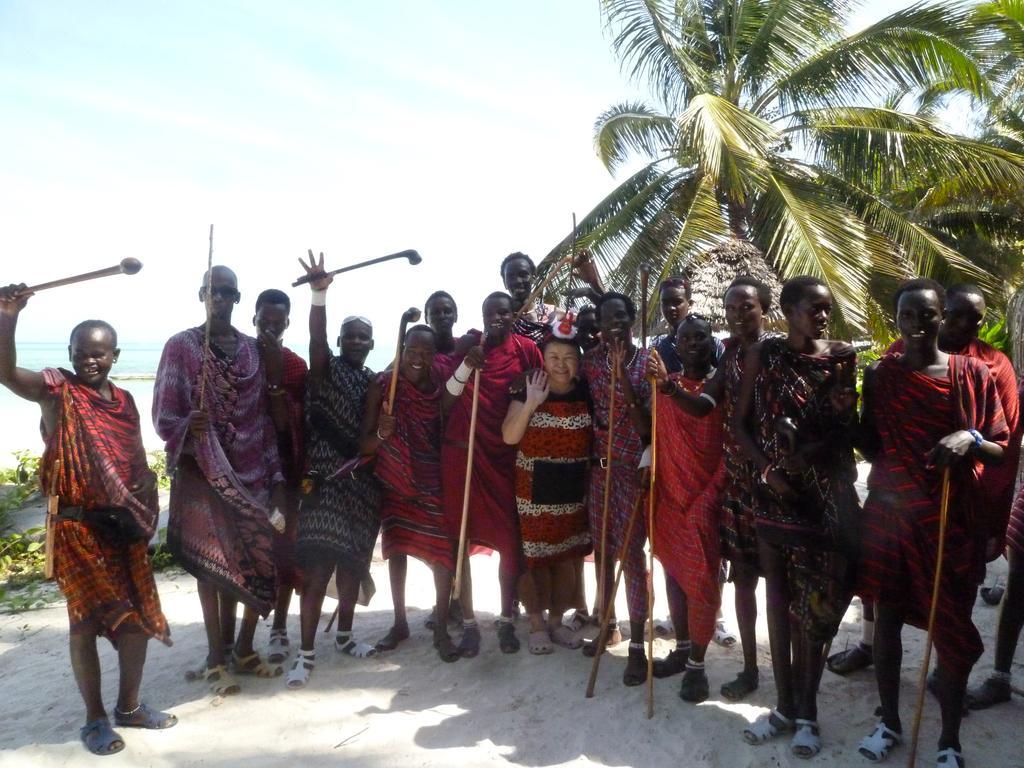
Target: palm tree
<point>772,125</point>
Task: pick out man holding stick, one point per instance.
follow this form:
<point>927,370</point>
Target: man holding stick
<point>95,467</point>
<point>340,515</point>
<point>610,507</point>
<point>501,357</point>
<point>924,412</point>
<point>211,406</point>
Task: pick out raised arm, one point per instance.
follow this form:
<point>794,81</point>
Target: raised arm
<point>377,426</point>
<point>519,413</point>
<point>22,382</point>
<point>319,347</point>
<point>696,405</point>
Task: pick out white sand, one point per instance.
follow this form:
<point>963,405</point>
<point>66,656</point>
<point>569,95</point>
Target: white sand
<point>407,708</point>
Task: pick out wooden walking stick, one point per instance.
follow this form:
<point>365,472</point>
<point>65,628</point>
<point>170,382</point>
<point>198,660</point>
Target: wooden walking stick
<point>52,508</point>
<point>127,266</point>
<point>411,315</point>
<point>923,682</point>
<point>208,302</point>
<point>645,277</point>
<point>457,584</point>
<point>650,550</point>
<point>602,635</point>
<point>616,359</point>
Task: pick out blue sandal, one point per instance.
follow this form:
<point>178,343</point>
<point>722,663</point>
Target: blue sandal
<point>99,738</point>
<point>144,717</point>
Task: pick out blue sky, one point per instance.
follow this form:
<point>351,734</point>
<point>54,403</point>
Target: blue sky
<point>461,129</point>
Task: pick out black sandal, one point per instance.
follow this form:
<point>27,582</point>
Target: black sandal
<point>695,687</point>
<point>445,647</point>
<point>507,640</point>
<point>672,664</point>
<point>614,637</point>
<point>851,660</point>
<point>394,636</point>
<point>636,668</point>
<point>745,683</point>
<point>989,693</point>
<point>469,643</point>
<point>99,738</point>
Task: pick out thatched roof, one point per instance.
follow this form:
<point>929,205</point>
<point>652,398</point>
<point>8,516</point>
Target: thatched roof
<point>711,273</point>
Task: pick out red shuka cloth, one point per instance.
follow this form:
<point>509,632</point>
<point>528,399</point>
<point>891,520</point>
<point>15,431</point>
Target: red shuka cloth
<point>409,469</point>
<point>293,466</point>
<point>912,412</point>
<point>999,479</point>
<point>689,482</point>
<point>493,520</point>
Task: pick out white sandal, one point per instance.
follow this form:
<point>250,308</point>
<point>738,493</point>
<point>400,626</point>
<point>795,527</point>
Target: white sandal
<point>300,672</point>
<point>723,636</point>
<point>353,647</point>
<point>876,746</point>
<point>949,758</point>
<point>767,727</point>
<point>806,741</point>
<point>278,647</point>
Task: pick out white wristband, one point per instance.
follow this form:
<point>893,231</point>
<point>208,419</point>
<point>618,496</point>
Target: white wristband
<point>463,371</point>
<point>319,298</point>
<point>454,386</point>
<point>709,398</point>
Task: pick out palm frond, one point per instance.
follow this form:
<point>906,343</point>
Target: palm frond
<point>913,48</point>
<point>807,233</point>
<point>885,149</point>
<point>632,128</point>
<point>728,143</point>
<point>651,50</point>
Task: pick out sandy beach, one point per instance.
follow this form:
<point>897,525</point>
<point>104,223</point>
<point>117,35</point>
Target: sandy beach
<point>408,708</point>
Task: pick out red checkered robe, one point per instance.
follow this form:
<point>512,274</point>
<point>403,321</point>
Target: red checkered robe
<point>93,457</point>
<point>999,479</point>
<point>627,448</point>
<point>689,481</point>
<point>912,412</point>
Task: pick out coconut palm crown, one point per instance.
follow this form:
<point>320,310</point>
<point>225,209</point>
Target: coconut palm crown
<point>774,125</point>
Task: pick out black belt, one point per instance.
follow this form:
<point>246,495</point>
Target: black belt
<point>80,514</point>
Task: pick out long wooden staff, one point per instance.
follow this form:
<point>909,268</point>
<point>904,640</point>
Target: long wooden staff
<point>411,315</point>
<point>645,277</point>
<point>457,584</point>
<point>602,559</point>
<point>602,635</point>
<point>52,508</point>
<point>208,301</point>
<point>923,682</point>
<point>650,550</point>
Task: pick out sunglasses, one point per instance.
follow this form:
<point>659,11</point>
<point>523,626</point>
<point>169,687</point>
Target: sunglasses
<point>223,292</point>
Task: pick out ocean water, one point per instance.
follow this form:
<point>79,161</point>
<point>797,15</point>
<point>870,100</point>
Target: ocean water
<point>19,419</point>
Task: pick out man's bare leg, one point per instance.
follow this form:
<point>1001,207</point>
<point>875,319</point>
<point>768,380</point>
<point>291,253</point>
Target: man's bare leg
<point>228,615</point>
<point>311,602</point>
<point>348,594</point>
<point>469,643</point>
<point>246,633</point>
<point>442,596</point>
<point>780,640</point>
<point>131,656</point>
<point>281,606</point>
<point>507,640</point>
<point>888,653</point>
<point>675,662</point>
<point>744,579</point>
<point>996,689</point>
<point>398,566</point>
<point>85,664</point>
<point>209,600</point>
